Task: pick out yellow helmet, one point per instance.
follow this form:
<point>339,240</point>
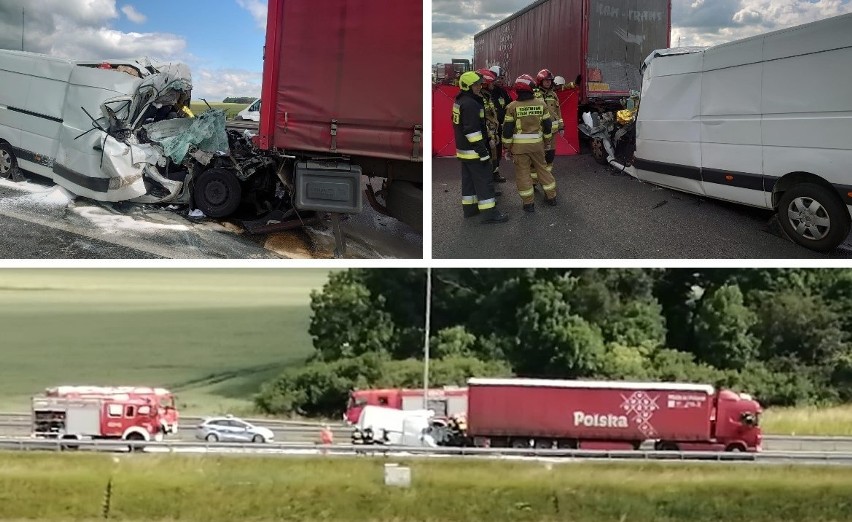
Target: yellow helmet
<point>469,78</point>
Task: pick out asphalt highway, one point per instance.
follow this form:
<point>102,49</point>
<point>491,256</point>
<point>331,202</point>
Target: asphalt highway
<point>606,215</point>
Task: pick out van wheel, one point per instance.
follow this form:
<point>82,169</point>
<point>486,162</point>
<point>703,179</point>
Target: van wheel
<point>813,217</point>
<point>217,193</point>
<point>8,163</point>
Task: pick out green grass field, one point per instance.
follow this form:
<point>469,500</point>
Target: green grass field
<point>809,421</point>
<point>48,487</point>
<point>212,335</point>
<point>231,109</point>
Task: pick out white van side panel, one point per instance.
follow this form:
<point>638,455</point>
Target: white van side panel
<point>668,124</point>
<point>731,150</point>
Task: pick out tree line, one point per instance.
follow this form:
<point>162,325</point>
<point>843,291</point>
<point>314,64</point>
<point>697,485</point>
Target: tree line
<point>782,335</point>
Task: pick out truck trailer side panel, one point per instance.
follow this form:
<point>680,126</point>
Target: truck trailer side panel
<point>343,77</point>
<point>604,413</point>
<point>605,41</point>
<point>548,33</point>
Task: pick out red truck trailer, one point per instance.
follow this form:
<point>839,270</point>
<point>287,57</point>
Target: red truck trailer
<point>610,415</point>
<point>604,42</point>
<point>342,98</point>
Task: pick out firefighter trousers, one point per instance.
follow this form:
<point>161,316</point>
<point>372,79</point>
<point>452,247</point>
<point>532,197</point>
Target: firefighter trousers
<point>477,186</point>
<point>549,155</point>
<point>525,163</point>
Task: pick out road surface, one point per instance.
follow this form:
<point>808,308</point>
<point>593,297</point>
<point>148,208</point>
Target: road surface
<point>608,215</point>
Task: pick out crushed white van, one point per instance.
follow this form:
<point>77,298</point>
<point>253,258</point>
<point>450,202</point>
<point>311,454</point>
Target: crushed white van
<point>77,123</point>
<point>764,121</point>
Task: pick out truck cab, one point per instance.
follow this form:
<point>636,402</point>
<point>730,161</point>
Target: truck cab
<point>737,422</point>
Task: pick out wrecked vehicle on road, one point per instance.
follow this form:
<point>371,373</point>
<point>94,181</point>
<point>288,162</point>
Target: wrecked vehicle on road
<point>122,130</point>
<point>735,122</point>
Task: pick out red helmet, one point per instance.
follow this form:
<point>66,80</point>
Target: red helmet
<point>525,82</point>
<point>488,76</point>
<point>544,74</point>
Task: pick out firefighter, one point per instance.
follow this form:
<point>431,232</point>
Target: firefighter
<point>491,120</point>
<point>501,100</point>
<point>471,137</point>
<point>525,128</point>
<point>546,93</point>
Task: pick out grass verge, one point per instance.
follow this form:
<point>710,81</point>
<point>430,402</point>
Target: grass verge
<point>72,487</point>
<point>835,420</point>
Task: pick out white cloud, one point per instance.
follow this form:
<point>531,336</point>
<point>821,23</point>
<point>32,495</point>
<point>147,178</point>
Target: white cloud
<point>218,84</point>
<point>133,15</point>
<point>258,9</point>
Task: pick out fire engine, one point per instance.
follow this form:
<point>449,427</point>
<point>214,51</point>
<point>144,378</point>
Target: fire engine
<point>445,402</point>
<point>161,400</point>
<point>90,418</point>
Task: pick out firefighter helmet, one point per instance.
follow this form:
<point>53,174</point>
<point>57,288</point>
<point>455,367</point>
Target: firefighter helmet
<point>488,76</point>
<point>498,71</point>
<point>525,82</point>
<point>559,80</point>
<point>469,78</point>
<point>544,74</point>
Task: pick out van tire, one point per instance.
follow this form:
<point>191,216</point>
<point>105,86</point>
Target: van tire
<point>8,163</point>
<point>217,193</point>
<point>829,205</point>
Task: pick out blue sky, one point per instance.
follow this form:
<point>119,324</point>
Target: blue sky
<point>221,40</point>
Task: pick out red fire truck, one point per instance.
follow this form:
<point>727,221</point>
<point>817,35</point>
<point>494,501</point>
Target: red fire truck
<point>445,402</point>
<point>161,400</point>
<point>93,418</point>
<point>610,415</point>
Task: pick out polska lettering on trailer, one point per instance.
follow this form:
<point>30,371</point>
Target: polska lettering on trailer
<point>599,420</point>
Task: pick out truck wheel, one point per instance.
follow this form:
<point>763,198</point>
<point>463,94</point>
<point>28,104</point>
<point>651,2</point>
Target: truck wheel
<point>8,162</point>
<point>735,448</point>
<point>543,444</point>
<point>134,437</point>
<point>599,151</point>
<point>69,447</point>
<point>217,193</point>
<point>813,217</point>
<point>666,446</point>
<point>520,443</point>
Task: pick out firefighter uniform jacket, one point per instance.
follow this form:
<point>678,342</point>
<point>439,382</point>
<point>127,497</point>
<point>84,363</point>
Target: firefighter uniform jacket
<point>491,120</point>
<point>501,100</point>
<point>526,125</point>
<point>552,101</point>
<point>469,125</point>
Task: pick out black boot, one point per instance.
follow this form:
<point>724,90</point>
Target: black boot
<point>551,201</point>
<point>492,215</point>
<point>470,211</point>
<point>529,207</point>
<point>498,178</point>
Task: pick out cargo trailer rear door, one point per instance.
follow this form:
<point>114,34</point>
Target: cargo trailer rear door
<point>621,34</point>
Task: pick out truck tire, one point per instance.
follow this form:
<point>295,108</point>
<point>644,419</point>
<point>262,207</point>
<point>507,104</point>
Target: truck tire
<point>813,216</point>
<point>8,162</point>
<point>405,203</point>
<point>666,446</point>
<point>217,193</point>
<point>134,437</point>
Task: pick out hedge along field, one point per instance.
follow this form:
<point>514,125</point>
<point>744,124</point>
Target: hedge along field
<point>231,109</point>
<point>53,487</point>
<point>211,335</point>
